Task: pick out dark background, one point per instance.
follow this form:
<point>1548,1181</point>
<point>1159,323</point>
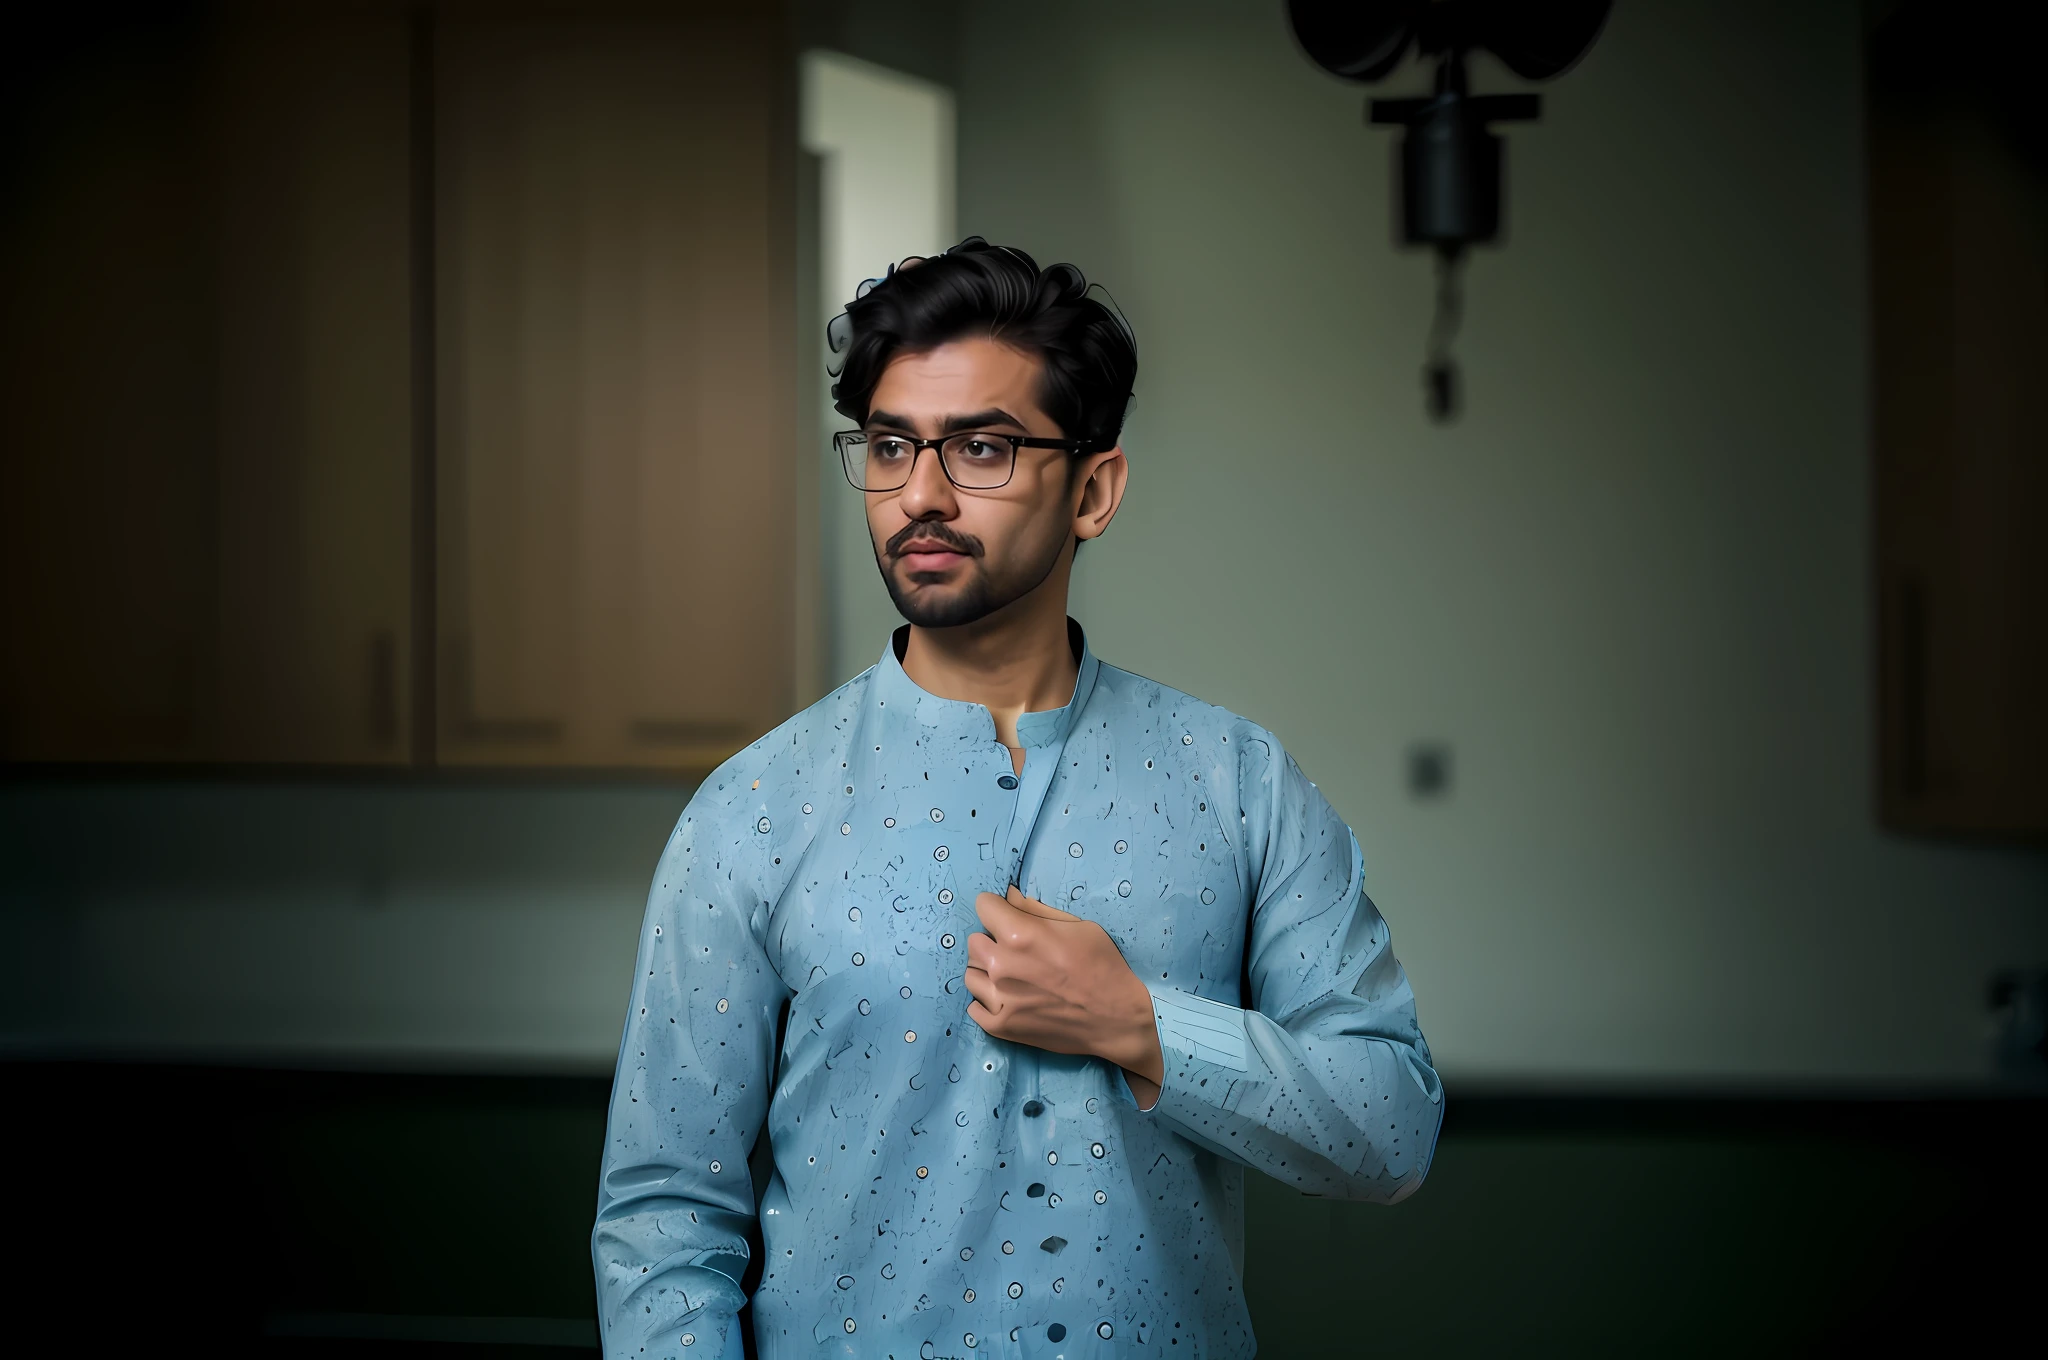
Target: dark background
<point>1685,695</point>
<point>277,1202</point>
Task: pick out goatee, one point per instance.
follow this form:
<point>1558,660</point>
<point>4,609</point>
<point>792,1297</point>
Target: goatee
<point>976,598</point>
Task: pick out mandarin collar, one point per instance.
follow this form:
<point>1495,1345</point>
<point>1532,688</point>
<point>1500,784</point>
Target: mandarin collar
<point>1049,727</point>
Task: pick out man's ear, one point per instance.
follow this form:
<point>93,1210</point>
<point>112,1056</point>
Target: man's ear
<point>1103,477</point>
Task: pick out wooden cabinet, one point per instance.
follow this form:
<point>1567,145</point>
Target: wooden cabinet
<point>105,408</point>
<point>1959,248</point>
<point>203,427</point>
<point>312,562</point>
<point>617,443</point>
<point>385,387</point>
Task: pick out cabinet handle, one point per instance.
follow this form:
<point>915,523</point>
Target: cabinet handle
<point>1912,687</point>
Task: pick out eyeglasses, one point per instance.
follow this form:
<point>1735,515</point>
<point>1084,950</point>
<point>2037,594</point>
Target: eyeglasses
<point>972,460</point>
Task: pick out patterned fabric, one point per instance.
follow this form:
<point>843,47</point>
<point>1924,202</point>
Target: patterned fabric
<point>938,1192</point>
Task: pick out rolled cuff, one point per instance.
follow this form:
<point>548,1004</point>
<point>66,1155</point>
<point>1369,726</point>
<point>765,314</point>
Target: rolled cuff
<point>1195,1027</point>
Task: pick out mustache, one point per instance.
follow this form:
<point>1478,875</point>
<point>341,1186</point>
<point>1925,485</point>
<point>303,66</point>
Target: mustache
<point>936,532</point>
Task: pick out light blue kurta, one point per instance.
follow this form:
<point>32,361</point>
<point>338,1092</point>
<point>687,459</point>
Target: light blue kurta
<point>938,1192</point>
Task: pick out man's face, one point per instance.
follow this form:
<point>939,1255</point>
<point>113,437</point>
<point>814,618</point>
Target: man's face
<point>953,557</point>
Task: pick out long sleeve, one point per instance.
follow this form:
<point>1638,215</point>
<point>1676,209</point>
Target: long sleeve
<point>676,1200</point>
<point>1326,1083</point>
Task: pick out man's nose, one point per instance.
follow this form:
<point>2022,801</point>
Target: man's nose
<point>928,494</point>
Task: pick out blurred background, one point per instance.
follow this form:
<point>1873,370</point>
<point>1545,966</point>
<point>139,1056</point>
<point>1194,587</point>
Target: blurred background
<point>414,476</point>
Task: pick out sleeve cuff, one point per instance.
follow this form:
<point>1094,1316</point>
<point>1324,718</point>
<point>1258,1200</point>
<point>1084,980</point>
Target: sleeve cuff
<point>1194,1027</point>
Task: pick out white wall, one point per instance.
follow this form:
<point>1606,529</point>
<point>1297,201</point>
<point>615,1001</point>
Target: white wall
<point>886,192</point>
<point>1631,587</point>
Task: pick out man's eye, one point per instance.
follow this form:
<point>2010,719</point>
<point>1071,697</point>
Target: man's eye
<point>986,450</point>
<point>888,448</point>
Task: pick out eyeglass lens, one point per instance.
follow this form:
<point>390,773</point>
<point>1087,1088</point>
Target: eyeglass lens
<point>883,462</point>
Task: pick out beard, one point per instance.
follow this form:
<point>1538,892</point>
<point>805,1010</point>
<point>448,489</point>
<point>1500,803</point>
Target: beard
<point>980,592</point>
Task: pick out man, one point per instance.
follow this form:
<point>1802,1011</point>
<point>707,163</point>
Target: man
<point>1062,950</point>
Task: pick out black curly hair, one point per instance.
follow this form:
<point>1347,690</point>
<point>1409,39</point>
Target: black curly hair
<point>1089,352</point>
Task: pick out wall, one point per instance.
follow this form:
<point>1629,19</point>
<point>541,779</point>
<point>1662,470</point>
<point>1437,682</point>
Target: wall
<point>884,142</point>
<point>484,926</point>
<point>1629,588</point>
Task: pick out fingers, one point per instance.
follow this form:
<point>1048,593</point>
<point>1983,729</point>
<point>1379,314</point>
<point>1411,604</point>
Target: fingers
<point>981,1015</point>
<point>1031,906</point>
<point>1011,910</point>
<point>1037,910</point>
<point>1003,919</point>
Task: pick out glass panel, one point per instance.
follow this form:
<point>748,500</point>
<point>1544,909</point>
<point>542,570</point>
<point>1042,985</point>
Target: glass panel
<point>979,460</point>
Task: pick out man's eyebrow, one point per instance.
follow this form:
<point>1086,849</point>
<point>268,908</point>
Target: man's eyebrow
<point>981,420</point>
<point>973,420</point>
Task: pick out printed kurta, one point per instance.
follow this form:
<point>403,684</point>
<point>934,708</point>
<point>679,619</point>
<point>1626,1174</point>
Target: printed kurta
<point>939,1192</point>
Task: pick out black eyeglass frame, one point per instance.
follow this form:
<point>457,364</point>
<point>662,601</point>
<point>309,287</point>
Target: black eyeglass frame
<point>1075,447</point>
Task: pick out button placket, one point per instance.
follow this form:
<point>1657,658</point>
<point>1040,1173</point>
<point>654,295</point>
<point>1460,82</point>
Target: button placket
<point>1003,801</point>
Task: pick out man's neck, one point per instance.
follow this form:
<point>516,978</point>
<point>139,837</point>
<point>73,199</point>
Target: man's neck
<point>1013,662</point>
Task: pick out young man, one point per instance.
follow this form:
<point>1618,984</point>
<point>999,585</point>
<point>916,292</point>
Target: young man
<point>1062,950</point>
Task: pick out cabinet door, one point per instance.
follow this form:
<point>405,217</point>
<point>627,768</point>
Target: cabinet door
<point>203,437</point>
<point>1960,267</point>
<point>616,435</point>
<point>313,562</point>
<point>105,401</point>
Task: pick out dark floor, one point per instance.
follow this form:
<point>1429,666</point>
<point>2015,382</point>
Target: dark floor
<point>282,1214</point>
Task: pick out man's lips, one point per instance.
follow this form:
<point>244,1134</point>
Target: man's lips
<point>924,554</point>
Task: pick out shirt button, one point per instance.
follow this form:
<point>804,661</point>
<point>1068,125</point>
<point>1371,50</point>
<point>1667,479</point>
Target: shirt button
<point>1006,781</point>
<point>1033,1109</point>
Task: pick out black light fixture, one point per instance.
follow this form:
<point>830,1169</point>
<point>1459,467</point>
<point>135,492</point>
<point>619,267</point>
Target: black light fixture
<point>1450,195</point>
